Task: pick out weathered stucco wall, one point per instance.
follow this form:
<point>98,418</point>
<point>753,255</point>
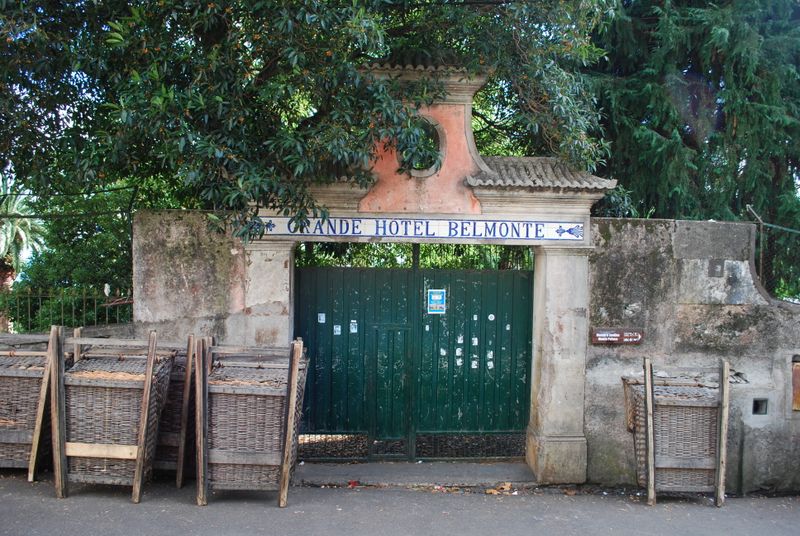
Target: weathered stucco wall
<point>189,279</point>
<point>689,286</point>
<point>186,278</point>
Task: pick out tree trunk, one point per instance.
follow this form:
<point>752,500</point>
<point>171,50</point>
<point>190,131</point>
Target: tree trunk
<point>770,278</point>
<point>7,275</point>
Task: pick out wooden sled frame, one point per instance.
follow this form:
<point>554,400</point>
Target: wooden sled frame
<point>179,439</point>
<point>653,465</point>
<point>63,449</point>
<point>244,357</point>
<point>34,437</point>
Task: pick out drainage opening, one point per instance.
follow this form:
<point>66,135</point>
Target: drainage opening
<point>760,406</point>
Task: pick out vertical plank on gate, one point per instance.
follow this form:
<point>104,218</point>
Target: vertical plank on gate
<point>722,447</point>
<point>201,416</point>
<point>187,391</point>
<point>76,333</point>
<point>144,415</point>
<point>41,407</point>
<point>57,416</point>
<point>648,403</point>
<point>291,403</point>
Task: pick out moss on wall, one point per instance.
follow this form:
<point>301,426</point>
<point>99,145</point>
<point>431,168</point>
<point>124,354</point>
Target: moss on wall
<point>182,268</point>
<point>662,277</point>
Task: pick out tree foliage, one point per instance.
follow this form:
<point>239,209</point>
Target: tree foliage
<point>702,107</point>
<point>238,104</point>
<point>18,235</point>
<point>235,105</point>
<point>401,255</point>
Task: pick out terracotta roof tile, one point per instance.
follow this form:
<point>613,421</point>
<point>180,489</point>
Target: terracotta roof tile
<point>442,62</point>
<point>536,172</point>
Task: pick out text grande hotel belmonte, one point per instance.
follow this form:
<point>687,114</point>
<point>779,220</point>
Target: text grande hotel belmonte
<point>424,228</point>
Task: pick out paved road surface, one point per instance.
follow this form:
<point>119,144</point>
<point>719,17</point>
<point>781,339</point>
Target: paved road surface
<point>32,509</point>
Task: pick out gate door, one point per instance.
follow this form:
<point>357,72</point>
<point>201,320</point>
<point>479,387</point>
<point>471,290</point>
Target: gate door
<point>395,375</point>
<point>472,367</point>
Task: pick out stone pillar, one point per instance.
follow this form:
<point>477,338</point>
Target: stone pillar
<point>267,318</point>
<point>556,444</point>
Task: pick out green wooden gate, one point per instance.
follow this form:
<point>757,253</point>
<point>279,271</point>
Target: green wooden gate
<point>390,379</point>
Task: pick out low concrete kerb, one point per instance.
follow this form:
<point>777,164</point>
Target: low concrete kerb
<point>411,475</point>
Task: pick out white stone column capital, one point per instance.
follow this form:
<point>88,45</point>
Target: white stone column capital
<point>558,250</point>
<point>269,245</point>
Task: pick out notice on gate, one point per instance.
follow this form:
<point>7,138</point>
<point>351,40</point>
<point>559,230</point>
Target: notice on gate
<point>437,301</point>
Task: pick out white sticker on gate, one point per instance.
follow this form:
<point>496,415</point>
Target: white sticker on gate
<point>460,339</point>
<point>427,328</point>
<point>353,326</point>
<point>508,327</point>
<point>337,329</point>
<point>459,352</point>
<point>490,355</point>
<point>491,317</point>
<point>459,362</point>
<point>474,341</point>
<point>490,365</point>
<point>321,318</point>
<point>442,352</point>
<point>475,317</point>
<point>474,365</point>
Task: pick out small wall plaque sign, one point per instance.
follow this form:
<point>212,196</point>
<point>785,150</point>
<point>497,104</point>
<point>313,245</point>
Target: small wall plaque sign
<point>617,336</point>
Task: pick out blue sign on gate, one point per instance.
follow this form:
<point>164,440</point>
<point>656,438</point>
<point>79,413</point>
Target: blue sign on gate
<point>437,301</point>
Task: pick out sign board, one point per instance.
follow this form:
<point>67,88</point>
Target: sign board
<point>437,301</point>
<point>511,230</point>
<point>617,336</point>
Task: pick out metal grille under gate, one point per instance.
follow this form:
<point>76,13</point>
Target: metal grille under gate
<point>393,375</point>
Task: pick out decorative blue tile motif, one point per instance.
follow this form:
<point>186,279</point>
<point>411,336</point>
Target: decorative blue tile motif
<point>576,231</point>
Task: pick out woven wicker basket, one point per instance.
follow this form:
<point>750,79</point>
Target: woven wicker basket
<point>20,395</point>
<point>243,439</point>
<point>24,405</point>
<point>20,386</point>
<point>104,406</point>
<point>680,432</point>
<point>685,424</point>
<point>176,427</point>
<point>106,394</point>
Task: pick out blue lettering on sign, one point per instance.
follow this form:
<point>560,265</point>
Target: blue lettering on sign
<point>410,228</point>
